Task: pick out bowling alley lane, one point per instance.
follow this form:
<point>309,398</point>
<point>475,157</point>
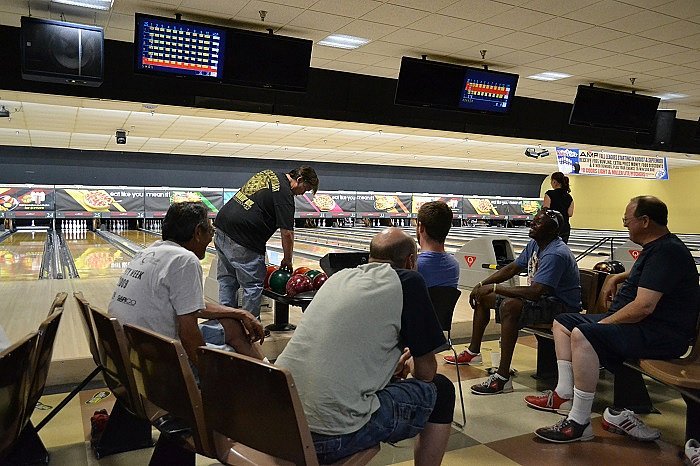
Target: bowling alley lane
<point>305,255</point>
<point>140,237</point>
<point>93,256</point>
<point>20,255</point>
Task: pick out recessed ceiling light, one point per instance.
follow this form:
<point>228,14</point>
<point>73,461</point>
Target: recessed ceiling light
<point>549,76</point>
<point>94,4</point>
<point>342,41</point>
<point>670,96</point>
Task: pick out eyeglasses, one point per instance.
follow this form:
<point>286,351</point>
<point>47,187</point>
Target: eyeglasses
<point>626,221</point>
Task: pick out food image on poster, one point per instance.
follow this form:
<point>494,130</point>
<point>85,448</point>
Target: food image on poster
<point>530,207</point>
<point>98,199</point>
<point>384,202</point>
<point>324,202</point>
<point>187,196</point>
<point>8,203</point>
<point>483,206</point>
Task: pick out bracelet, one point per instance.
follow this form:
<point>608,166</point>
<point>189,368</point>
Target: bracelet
<point>479,284</point>
<point>494,288</point>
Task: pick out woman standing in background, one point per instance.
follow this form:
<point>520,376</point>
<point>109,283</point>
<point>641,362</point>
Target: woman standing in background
<point>559,199</point>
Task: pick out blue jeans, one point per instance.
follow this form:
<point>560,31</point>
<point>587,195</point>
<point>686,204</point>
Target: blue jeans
<point>404,409</point>
<point>239,267</point>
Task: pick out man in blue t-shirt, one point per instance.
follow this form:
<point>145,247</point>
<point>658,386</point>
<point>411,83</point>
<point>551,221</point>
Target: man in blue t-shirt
<point>439,268</point>
<point>553,288</point>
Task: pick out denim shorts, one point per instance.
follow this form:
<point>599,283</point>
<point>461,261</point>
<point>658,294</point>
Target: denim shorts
<point>404,409</point>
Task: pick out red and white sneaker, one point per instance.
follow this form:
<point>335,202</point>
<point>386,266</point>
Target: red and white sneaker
<point>464,358</point>
<point>627,423</point>
<point>549,400</point>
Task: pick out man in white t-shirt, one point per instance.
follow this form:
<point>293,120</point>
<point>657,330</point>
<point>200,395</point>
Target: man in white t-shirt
<point>161,289</point>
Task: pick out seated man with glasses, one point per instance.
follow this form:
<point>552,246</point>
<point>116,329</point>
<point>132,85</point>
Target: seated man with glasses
<point>553,288</point>
<point>653,315</point>
<point>161,289</point>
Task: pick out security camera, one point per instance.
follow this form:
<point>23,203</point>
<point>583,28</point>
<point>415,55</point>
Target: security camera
<point>121,136</point>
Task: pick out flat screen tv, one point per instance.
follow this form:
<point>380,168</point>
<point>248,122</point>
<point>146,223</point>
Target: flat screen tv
<point>487,91</point>
<point>607,108</point>
<point>427,83</point>
<point>265,60</point>
<point>182,48</point>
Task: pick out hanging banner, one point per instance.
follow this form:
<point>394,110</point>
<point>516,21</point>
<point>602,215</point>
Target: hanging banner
<point>587,162</point>
<point>26,201</point>
<point>335,204</point>
<point>452,201</point>
<point>383,205</point>
<point>212,198</point>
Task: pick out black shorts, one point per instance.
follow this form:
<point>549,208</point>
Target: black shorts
<point>535,312</point>
<point>615,343</point>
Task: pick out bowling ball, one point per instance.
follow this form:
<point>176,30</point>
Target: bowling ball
<point>301,270</point>
<point>270,270</point>
<point>617,266</point>
<point>319,280</point>
<point>604,266</point>
<point>278,281</point>
<point>299,284</point>
<point>312,273</point>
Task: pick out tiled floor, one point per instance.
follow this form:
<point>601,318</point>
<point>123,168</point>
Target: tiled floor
<point>498,431</point>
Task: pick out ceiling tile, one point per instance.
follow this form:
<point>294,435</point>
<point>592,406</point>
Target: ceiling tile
<point>350,8</point>
<point>448,45</point>
<point>558,27</point>
<point>672,31</point>
<point>320,21</point>
<point>395,15</point>
<point>556,7</point>
<point>690,41</point>
<point>440,24</point>
<point>683,9</point>
<point>518,18</point>
<point>362,58</point>
<point>475,10</point>
<point>520,57</point>
<point>519,39</point>
<point>410,37</point>
<point>593,36</point>
<point>366,29</point>
<point>277,14</point>
<point>431,5</point>
<point>587,54</point>
<point>481,32</point>
<point>603,12</point>
<point>682,58</point>
<point>627,44</point>
<point>641,21</point>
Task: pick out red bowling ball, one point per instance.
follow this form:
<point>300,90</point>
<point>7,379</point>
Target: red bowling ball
<point>301,270</point>
<point>319,280</point>
<point>270,270</point>
<point>299,284</point>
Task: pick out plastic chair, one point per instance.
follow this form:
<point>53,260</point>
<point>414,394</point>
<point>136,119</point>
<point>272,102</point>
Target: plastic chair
<point>444,300</point>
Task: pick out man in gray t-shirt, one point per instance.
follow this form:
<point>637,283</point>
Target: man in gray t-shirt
<point>161,289</point>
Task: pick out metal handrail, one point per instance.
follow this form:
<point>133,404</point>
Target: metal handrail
<point>595,246</point>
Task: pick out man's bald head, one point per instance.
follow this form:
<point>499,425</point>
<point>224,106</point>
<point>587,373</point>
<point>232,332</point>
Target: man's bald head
<point>394,246</point>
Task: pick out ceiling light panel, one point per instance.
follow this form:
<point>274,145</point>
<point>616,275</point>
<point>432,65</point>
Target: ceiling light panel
<point>104,5</point>
<point>342,41</point>
<point>549,76</point>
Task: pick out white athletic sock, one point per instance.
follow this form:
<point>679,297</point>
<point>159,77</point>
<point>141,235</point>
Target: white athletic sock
<point>582,406</point>
<point>565,382</point>
<point>473,354</point>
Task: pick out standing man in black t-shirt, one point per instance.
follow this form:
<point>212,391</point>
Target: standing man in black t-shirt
<point>652,316</point>
<point>264,204</point>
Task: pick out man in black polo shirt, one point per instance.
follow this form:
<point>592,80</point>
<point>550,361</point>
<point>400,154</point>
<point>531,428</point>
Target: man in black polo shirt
<point>652,316</point>
<point>264,204</point>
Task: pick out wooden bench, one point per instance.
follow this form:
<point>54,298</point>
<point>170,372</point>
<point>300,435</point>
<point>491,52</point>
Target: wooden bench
<point>682,374</point>
<point>15,364</point>
<point>26,446</point>
<point>128,427</point>
<point>170,397</point>
<point>271,430</point>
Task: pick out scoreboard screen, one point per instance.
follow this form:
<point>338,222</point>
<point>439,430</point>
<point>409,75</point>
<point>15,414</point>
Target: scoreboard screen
<point>166,46</point>
<point>487,91</point>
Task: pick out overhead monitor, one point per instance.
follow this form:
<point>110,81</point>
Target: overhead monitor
<point>595,106</point>
<point>181,48</point>
<point>487,91</point>
<point>267,60</point>
<point>428,83</point>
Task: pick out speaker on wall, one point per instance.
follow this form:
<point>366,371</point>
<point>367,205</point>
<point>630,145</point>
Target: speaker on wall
<point>663,136</point>
<point>61,52</point>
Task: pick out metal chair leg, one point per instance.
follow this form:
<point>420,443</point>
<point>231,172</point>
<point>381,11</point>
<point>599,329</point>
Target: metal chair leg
<point>461,395</point>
